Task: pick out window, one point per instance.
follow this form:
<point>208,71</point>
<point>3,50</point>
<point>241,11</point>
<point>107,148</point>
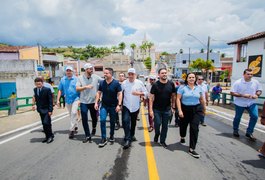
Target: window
<point>184,61</point>
<point>241,52</point>
<point>213,60</point>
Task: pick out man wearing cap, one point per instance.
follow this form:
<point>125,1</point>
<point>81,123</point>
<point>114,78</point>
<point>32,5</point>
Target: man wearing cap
<point>87,84</point>
<point>152,80</point>
<point>132,90</point>
<point>68,87</point>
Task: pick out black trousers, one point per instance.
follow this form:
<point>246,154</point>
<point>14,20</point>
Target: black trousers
<point>192,116</point>
<point>47,125</point>
<point>129,122</point>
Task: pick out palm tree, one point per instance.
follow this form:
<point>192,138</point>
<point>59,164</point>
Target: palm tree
<point>202,65</point>
<point>143,50</point>
<point>148,46</point>
<point>122,46</point>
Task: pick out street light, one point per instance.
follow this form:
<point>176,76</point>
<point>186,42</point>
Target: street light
<point>207,46</point>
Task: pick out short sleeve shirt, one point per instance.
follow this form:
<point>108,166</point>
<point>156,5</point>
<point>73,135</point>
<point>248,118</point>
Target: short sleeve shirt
<point>162,93</point>
<point>242,87</point>
<point>88,96</point>
<point>68,86</point>
<point>109,92</point>
<point>190,97</point>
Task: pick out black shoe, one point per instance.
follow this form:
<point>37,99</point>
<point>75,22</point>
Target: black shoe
<point>49,140</point>
<point>194,154</point>
<point>111,139</point>
<point>126,145</point>
<point>87,139</point>
<point>182,141</point>
<point>251,137</point>
<point>76,130</point>
<point>102,143</point>
<point>44,140</point>
<point>133,139</point>
<point>117,127</point>
<point>235,134</point>
<point>203,124</point>
<point>164,145</point>
<point>156,138</point>
<point>71,135</point>
<point>93,131</point>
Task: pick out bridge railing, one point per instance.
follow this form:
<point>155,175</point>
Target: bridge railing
<point>227,99</point>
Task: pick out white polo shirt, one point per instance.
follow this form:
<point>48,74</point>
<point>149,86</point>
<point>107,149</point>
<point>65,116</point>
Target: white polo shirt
<point>131,101</point>
<point>242,87</point>
<point>204,90</point>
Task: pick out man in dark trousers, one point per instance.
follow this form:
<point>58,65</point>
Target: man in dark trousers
<point>43,100</point>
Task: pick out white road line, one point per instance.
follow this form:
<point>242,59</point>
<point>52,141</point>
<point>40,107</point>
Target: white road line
<point>28,131</point>
<point>28,126</point>
<point>242,123</point>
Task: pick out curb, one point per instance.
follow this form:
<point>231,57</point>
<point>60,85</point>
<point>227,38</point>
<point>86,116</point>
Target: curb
<point>229,117</point>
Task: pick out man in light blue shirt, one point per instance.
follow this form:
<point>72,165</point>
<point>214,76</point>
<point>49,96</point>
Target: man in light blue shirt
<point>68,86</point>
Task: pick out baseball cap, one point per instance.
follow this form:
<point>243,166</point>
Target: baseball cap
<point>69,68</point>
<point>88,65</point>
<point>131,70</point>
<point>152,77</point>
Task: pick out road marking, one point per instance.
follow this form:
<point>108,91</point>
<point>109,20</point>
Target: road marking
<point>229,119</point>
<point>28,131</point>
<point>152,169</point>
<point>29,125</point>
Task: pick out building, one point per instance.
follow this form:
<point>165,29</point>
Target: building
<point>141,54</point>
<point>17,76</point>
<point>183,60</point>
<point>249,53</point>
<point>11,52</point>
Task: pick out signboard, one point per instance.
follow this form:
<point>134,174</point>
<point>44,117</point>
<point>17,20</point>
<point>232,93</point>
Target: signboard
<point>255,63</point>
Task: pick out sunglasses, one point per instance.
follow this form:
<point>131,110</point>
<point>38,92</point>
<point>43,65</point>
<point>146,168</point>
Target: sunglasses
<point>200,79</point>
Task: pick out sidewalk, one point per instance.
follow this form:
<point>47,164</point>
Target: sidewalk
<point>9,123</point>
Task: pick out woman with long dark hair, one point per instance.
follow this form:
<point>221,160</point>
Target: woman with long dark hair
<point>190,105</point>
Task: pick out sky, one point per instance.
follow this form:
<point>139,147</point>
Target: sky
<point>166,23</point>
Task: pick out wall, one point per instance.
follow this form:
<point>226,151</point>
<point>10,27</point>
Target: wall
<point>254,47</point>
<point>20,72</point>
<point>8,56</point>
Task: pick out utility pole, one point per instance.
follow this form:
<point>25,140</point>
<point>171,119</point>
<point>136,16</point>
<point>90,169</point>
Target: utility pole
<point>208,48</point>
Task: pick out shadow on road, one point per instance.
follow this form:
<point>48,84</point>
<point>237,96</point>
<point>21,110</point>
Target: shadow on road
<point>256,163</point>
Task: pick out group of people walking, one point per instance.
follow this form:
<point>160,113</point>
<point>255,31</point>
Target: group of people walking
<point>109,96</point>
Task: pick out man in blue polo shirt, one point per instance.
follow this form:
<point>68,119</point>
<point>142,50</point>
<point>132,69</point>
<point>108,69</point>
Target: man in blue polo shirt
<point>110,90</point>
<point>68,87</point>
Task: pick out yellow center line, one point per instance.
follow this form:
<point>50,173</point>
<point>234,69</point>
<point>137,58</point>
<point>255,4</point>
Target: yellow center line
<point>152,169</point>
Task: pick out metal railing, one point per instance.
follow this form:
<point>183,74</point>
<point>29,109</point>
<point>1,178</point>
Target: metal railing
<point>227,98</point>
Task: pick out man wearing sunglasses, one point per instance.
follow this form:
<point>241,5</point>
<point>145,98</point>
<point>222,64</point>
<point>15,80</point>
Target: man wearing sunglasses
<point>246,90</point>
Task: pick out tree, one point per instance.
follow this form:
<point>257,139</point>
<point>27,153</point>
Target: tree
<point>202,66</point>
<point>202,50</point>
<point>133,46</point>
<point>143,50</point>
<point>148,46</point>
<point>148,63</point>
<point>122,46</point>
<point>164,53</point>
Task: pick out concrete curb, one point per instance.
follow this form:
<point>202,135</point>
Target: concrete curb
<point>229,117</point>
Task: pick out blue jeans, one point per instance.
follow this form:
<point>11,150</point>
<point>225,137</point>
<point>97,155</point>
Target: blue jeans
<point>253,113</point>
<point>161,118</point>
<point>104,111</point>
<point>129,122</point>
<point>93,113</point>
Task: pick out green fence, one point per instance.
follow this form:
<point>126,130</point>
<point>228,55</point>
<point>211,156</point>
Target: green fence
<point>227,98</point>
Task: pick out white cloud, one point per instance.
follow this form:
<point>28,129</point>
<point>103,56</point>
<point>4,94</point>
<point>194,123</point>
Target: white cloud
<point>166,22</point>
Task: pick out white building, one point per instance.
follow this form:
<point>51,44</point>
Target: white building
<point>248,53</point>
<point>183,60</point>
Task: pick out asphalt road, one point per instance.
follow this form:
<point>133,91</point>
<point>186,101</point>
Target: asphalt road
<point>222,156</point>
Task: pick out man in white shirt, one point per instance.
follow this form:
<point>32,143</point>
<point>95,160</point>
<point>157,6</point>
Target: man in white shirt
<point>204,88</point>
<point>246,90</point>
<point>132,89</point>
